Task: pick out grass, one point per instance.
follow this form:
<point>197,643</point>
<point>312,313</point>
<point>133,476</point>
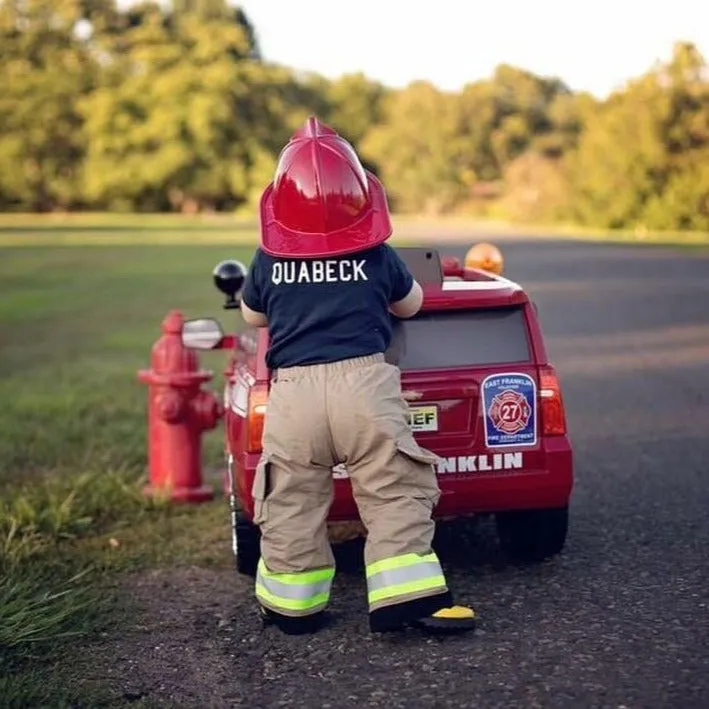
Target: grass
<point>77,323</point>
<point>63,535</point>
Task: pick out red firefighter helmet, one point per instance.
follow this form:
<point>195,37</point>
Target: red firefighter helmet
<point>322,202</point>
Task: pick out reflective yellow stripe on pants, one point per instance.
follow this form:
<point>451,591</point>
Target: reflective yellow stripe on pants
<point>295,593</point>
<point>402,576</point>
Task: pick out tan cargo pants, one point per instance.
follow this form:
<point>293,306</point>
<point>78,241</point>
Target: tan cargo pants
<point>349,412</point>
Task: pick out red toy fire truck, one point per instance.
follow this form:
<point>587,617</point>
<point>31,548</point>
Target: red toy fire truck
<point>482,396</point>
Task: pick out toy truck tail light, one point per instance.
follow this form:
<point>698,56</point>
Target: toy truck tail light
<point>552,404</point>
<point>258,398</point>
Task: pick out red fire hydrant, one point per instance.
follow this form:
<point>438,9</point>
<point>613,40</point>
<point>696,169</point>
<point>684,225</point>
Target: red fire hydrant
<point>179,412</point>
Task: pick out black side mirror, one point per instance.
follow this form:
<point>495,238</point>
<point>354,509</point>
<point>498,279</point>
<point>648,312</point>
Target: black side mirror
<point>229,277</point>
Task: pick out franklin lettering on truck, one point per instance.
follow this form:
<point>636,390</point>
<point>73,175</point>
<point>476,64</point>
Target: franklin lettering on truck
<point>467,464</point>
<point>480,391</point>
<point>481,463</point>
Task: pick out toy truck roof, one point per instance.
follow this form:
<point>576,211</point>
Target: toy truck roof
<point>447,284</point>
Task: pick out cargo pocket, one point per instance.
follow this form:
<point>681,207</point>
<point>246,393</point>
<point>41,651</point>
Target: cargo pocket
<point>411,449</point>
<point>261,488</point>
<point>423,469</point>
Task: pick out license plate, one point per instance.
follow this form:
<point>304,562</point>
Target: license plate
<point>423,418</point>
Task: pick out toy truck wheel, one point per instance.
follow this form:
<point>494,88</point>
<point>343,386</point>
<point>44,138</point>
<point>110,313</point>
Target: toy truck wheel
<point>247,543</point>
<point>532,535</point>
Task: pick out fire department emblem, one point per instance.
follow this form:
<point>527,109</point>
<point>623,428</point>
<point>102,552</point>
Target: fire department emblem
<point>510,411</point>
<point>509,404</point>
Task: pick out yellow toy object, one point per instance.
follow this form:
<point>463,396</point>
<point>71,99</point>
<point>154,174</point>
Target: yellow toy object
<point>486,257</point>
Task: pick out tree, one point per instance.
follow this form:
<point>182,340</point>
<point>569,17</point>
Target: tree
<point>416,147</point>
<point>568,114</point>
<point>636,156</point>
<point>177,120</point>
<point>536,189</point>
<point>45,70</point>
<point>222,12</point>
<point>355,105</point>
<point>504,116</point>
<point>169,106</point>
<point>683,202</point>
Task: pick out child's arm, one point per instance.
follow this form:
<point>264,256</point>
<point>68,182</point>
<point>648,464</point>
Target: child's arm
<point>408,306</point>
<point>406,295</point>
<point>253,317</point>
<point>252,308</point>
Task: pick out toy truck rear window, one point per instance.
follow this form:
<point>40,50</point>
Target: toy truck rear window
<point>464,338</point>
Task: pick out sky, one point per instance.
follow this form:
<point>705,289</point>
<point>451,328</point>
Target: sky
<point>591,46</point>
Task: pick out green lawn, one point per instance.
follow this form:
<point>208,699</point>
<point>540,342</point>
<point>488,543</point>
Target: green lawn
<point>76,323</point>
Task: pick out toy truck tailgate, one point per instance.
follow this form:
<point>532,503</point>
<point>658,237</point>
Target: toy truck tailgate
<point>471,384</point>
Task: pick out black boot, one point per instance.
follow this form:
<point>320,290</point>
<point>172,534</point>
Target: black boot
<point>294,625</point>
<point>452,619</point>
<point>434,614</point>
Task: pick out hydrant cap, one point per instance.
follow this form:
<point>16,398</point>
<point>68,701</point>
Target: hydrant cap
<point>172,324</point>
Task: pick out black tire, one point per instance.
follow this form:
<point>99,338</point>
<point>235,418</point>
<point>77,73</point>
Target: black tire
<point>532,535</point>
<point>247,545</point>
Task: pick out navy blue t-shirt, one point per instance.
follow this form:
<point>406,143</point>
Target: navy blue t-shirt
<point>329,309</point>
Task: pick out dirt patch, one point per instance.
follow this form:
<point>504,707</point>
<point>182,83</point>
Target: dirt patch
<point>193,638</point>
<point>185,643</point>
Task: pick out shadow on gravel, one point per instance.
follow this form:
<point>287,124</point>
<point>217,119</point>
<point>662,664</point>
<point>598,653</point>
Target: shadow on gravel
<point>462,545</point>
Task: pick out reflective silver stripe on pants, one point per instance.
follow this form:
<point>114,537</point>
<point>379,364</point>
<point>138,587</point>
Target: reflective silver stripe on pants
<point>404,574</point>
<point>294,592</point>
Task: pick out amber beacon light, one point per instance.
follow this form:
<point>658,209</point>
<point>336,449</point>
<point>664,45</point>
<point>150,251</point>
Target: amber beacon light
<point>485,256</point>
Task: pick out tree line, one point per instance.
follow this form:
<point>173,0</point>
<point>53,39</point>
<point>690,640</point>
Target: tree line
<point>172,107</point>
